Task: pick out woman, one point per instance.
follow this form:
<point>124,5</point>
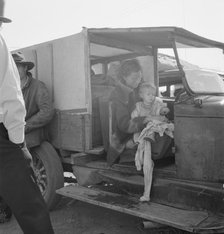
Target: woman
<point>123,100</point>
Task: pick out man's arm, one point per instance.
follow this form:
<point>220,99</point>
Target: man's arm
<point>12,108</point>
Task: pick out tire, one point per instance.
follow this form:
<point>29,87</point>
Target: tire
<point>48,171</point>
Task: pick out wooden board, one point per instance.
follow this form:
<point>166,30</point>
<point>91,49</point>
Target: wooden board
<point>71,130</point>
<point>112,176</point>
<point>182,219</point>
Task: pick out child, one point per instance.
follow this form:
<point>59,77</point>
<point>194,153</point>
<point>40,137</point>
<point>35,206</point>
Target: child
<point>154,110</point>
<point>151,107</point>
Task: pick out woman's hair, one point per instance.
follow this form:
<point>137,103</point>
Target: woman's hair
<point>146,86</point>
<point>127,67</point>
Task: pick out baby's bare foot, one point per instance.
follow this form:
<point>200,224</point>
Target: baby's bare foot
<point>143,198</point>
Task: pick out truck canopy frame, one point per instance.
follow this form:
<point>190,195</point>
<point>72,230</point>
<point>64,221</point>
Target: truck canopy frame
<point>157,37</point>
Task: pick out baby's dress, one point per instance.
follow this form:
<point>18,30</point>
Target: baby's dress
<point>142,110</point>
<point>143,154</point>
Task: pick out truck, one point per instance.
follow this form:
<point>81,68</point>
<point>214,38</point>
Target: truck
<point>80,73</point>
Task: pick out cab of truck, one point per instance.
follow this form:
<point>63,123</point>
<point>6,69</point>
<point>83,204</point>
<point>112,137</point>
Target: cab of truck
<point>80,72</point>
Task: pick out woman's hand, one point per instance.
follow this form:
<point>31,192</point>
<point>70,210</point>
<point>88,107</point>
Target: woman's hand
<point>147,119</point>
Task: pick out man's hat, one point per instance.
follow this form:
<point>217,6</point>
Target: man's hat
<point>20,59</point>
<point>2,18</point>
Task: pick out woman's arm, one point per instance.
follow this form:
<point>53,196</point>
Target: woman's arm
<point>124,121</point>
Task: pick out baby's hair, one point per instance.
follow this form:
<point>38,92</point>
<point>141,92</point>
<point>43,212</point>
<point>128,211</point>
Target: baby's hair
<point>145,85</point>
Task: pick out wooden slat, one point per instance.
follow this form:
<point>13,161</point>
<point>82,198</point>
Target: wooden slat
<point>122,177</point>
<point>156,75</point>
<point>182,219</point>
<point>97,150</point>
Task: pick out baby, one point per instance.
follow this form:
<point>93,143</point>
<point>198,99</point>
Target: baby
<point>151,107</point>
<point>154,110</point>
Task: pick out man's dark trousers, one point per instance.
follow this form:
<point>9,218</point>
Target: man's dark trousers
<point>19,190</point>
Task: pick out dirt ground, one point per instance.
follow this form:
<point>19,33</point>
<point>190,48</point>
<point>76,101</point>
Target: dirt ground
<point>75,217</point>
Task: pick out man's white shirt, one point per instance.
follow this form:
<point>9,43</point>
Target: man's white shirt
<point>12,107</point>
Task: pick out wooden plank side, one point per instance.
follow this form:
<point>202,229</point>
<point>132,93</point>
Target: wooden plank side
<point>44,66</point>
<point>182,219</point>
<point>69,72</point>
<point>69,131</point>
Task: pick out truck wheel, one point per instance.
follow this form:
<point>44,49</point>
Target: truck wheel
<point>48,171</point>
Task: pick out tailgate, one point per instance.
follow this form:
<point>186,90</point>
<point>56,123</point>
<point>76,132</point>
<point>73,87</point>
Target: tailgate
<point>178,218</point>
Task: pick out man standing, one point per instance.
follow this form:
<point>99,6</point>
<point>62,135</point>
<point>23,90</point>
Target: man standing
<point>17,183</point>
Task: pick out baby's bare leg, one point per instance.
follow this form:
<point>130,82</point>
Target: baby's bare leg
<point>147,169</point>
<point>139,155</point>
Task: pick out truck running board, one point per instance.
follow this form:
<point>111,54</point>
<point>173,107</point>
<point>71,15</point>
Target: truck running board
<point>166,215</point>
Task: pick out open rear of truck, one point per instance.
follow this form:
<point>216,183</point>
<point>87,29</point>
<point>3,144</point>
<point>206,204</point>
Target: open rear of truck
<point>80,72</point>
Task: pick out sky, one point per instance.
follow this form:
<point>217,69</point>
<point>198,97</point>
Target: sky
<point>36,21</point>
